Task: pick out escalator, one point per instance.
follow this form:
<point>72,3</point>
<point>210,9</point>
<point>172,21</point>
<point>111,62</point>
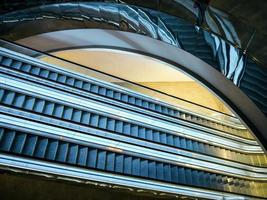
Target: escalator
<point>57,121</point>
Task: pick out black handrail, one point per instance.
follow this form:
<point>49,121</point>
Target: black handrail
<point>119,78</point>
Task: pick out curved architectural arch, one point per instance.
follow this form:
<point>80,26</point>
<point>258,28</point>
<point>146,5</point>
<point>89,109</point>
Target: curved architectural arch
<point>210,77</point>
<point>223,56</point>
<point>85,123</point>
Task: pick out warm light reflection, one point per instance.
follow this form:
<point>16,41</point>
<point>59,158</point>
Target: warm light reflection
<point>142,70</point>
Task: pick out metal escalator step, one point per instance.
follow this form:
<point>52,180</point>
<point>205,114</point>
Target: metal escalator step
<point>142,132</point>
<point>78,84</point>
<point>160,171</point>
<point>102,91</point>
<point>183,143</point>
<point>76,116</point>
<point>181,173</point>
<point>117,95</point>
<point>176,141</point>
<point>174,174</point>
<point>70,81</point>
<point>152,172</point>
<point>111,124</point>
<point>119,163</point>
<point>58,111</point>
<point>82,156</point>
<point>6,61</point>
<point>158,108</point>
<point>40,148</point>
<point>118,126</point>
<point>145,104</point>
<point>167,172</point>
<point>19,100</point>
<point>151,106</point>
<point>138,102</point>
<point>39,106</point>
<point>134,130</point>
<point>144,168</point>
<point>72,154</point>
<point>18,143</point>
<point>195,177</point>
<point>29,146</point>
<point>94,120</point>
<point>164,110</point>
<point>44,73</point>
<point>62,78</point>
<point>7,140</point>
<point>136,167</point>
<point>102,122</point>
<point>149,134</point>
<point>110,161</point>
<point>126,128</point>
<point>127,165</point>
<point>189,145</point>
<point>16,64</point>
<point>1,133</point>
<point>53,76</point>
<point>156,136</point>
<point>195,146</point>
<point>94,88</point>
<point>49,108</point>
<point>170,140</point>
<point>8,97</point>
<point>29,103</point>
<point>101,159</point>
<point>92,158</point>
<point>85,119</point>
<point>52,150</point>
<point>67,114</point>
<point>201,177</point>
<point>163,138</point>
<point>2,94</point>
<point>62,151</point>
<point>109,93</point>
<point>207,178</point>
<point>35,70</point>
<point>26,67</point>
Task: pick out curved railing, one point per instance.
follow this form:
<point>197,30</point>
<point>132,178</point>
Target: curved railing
<point>202,40</point>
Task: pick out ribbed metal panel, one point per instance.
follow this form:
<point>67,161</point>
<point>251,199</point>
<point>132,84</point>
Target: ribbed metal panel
<point>44,148</point>
<point>67,79</point>
<point>20,100</point>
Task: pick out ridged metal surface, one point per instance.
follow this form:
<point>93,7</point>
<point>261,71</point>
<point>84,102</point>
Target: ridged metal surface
<point>77,115</point>
<point>254,81</point>
<point>64,78</point>
<point>65,112</point>
<point>27,144</point>
<point>43,148</point>
<point>21,99</point>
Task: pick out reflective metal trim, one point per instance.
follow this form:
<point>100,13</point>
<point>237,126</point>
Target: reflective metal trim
<point>78,173</point>
<point>131,107</point>
<point>46,130</point>
<point>129,116</point>
<point>110,85</point>
<point>126,139</point>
